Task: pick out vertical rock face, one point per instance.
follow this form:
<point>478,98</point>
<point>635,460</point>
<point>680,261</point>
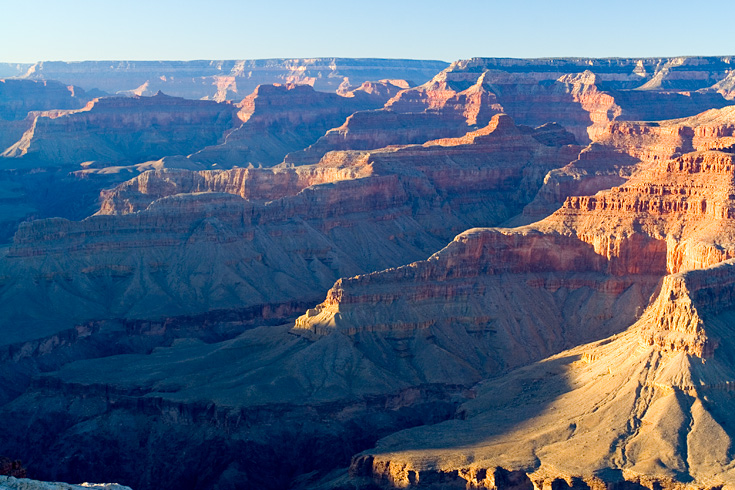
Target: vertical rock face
<point>626,146</point>
<point>228,79</point>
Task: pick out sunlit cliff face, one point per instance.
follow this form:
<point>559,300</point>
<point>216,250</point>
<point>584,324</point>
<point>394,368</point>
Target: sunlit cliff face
<point>504,274</point>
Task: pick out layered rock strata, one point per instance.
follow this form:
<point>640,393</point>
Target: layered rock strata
<point>19,97</point>
<point>369,130</point>
<point>651,407</point>
<point>626,146</point>
<point>278,119</point>
<point>491,301</point>
<point>651,393</point>
<point>122,130</point>
<point>582,95</point>
<point>210,240</point>
<point>228,79</point>
<point>409,117</point>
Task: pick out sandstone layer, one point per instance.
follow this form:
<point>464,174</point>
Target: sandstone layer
<point>651,407</point>
<point>624,147</point>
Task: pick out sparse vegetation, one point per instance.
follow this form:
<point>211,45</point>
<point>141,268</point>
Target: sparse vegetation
<point>9,467</point>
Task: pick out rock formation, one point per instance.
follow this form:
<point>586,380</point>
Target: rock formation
<point>624,147</point>
<point>279,325</point>
<point>582,95</point>
<point>191,242</point>
<point>439,112</point>
<point>227,79</point>
<point>278,119</point>
<point>650,406</point>
<point>145,128</point>
<point>370,130</point>
<point>19,97</point>
<point>640,406</point>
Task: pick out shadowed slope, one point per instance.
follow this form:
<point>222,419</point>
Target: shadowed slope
<point>652,405</point>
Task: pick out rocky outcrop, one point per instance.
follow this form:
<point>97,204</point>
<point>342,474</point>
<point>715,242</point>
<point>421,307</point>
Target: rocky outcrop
<point>382,89</point>
<point>476,104</point>
<point>369,130</point>
<point>626,146</point>
<point>123,130</point>
<point>468,291</point>
<point>253,184</point>
<point>19,97</point>
<point>228,79</point>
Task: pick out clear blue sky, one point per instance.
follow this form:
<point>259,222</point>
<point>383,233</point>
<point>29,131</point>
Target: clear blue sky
<point>34,30</point>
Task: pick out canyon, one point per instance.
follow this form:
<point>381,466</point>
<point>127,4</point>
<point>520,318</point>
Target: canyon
<point>362,274</point>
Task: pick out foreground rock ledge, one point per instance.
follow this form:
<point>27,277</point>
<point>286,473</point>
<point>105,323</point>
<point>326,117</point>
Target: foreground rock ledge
<point>10,483</point>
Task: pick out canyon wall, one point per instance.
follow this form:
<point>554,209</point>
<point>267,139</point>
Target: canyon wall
<point>347,318</point>
<point>227,79</point>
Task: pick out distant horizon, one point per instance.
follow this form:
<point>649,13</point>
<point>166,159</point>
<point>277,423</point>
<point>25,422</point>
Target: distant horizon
<point>185,60</point>
<point>191,30</point>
